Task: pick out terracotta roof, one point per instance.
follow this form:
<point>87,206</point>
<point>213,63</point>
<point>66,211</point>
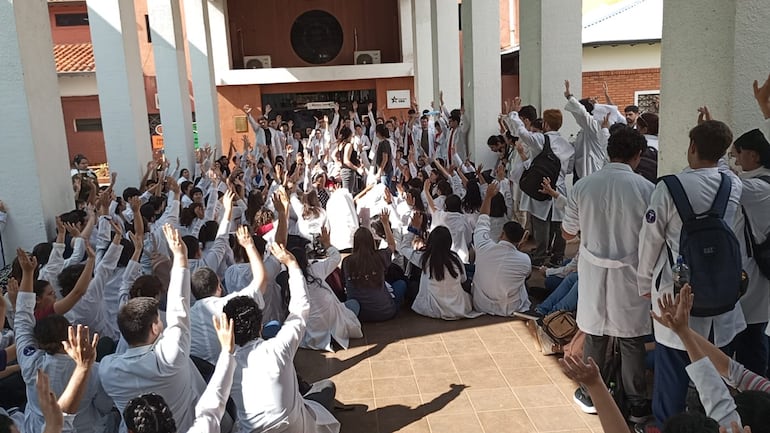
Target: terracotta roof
<point>74,57</point>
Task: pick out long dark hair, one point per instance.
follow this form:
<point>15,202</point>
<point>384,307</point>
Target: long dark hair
<point>311,205</point>
<point>364,262</point>
<point>472,200</point>
<point>439,256</point>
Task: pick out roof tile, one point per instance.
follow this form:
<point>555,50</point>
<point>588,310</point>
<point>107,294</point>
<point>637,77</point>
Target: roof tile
<point>74,57</point>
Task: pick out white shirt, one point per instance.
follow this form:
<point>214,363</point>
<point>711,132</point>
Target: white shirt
<point>342,217</point>
<point>461,230</point>
<point>662,228</point>
<point>163,367</point>
<point>609,246</point>
<point>591,141</point>
<point>268,367</point>
<point>501,271</point>
<point>562,149</point>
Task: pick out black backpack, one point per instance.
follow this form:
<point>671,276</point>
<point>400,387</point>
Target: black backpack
<point>710,249</point>
<point>759,252</point>
<point>648,165</point>
<point>545,164</point>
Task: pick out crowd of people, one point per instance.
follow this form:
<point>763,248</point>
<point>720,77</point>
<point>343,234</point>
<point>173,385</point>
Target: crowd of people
<point>179,304</point>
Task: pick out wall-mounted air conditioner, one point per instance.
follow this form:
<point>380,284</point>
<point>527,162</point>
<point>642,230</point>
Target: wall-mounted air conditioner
<point>367,57</point>
<point>257,62</point>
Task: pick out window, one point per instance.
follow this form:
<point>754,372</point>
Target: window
<point>70,20</point>
<point>648,101</point>
<point>88,125</point>
<point>147,26</point>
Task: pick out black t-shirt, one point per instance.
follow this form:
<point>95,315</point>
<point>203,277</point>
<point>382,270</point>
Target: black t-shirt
<point>382,149</point>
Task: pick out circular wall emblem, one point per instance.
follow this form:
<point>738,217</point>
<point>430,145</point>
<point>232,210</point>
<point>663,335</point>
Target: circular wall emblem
<point>316,37</point>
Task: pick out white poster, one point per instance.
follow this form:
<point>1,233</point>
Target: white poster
<point>399,99</point>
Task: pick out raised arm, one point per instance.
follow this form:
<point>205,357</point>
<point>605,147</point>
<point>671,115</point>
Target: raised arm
<point>258,282</point>
<point>428,197</point>
<point>81,286</point>
<point>82,349</point>
<point>288,338</point>
<point>173,346</point>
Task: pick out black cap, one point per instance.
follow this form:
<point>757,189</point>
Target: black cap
<point>755,140</point>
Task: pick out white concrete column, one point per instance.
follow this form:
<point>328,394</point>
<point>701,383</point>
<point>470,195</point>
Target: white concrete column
<point>220,35</point>
<point>407,37</point>
<point>445,36</point>
<point>423,53</point>
<point>481,76</point>
<point>691,76</point>
<point>173,87</point>
<point>202,65</point>
<point>551,52</point>
<point>35,177</point>
<point>121,89</point>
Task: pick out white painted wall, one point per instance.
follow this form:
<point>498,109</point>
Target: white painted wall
<point>235,77</point>
<point>613,58</point>
<point>77,85</point>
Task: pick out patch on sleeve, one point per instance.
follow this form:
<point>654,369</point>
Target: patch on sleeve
<point>650,216</point>
<point>29,350</point>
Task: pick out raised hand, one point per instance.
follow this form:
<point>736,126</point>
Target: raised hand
<point>703,114</point>
<point>247,108</point>
<point>606,121</point>
<point>546,188</point>
<point>416,222</point>
<point>492,189</point>
<point>441,97</point>
<point>72,229</point>
<point>516,104</point>
<point>675,312</point>
<point>574,368</point>
<point>244,237</point>
<point>80,346</point>
<point>268,109</point>
<point>174,240</point>
<point>325,237</point>
<point>225,332</point>
<point>136,204</point>
<point>735,428</point>
<point>228,198</point>
<point>28,263</point>
<point>49,405</point>
<point>567,93</point>
<point>283,255</point>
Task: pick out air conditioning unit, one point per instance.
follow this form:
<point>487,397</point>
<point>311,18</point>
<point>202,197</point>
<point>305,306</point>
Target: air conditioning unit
<point>257,62</point>
<point>157,102</point>
<point>367,57</point>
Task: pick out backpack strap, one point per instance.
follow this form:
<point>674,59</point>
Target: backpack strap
<point>748,234</point>
<point>681,202</point>
<point>547,143</point>
<point>766,179</point>
<point>719,207</point>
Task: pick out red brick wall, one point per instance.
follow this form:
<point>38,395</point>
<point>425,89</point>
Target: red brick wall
<point>68,34</point>
<point>90,144</point>
<point>622,84</point>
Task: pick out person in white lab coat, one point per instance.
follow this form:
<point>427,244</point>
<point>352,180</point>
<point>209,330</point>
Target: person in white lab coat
<point>151,410</point>
<point>546,227</point>
<point>501,269</point>
<point>607,208</point>
<point>752,154</point>
<point>659,237</point>
<point>157,359</point>
<point>206,288</point>
<point>265,388</point>
<point>590,143</point>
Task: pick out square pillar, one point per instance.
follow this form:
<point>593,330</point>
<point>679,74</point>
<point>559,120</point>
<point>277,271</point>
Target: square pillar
<point>551,51</point>
<point>407,38</point>
<point>120,83</point>
<point>173,84</point>
<point>445,36</point>
<point>219,35</point>
<point>35,174</point>
<point>690,76</point>
<point>481,76</point>
<point>423,53</point>
<point>202,66</point>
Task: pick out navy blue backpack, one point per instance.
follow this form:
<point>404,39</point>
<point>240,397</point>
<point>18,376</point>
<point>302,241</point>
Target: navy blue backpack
<point>710,249</point>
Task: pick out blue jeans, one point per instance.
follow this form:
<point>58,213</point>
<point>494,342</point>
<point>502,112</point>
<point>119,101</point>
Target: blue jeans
<point>563,298</point>
<point>552,282</point>
<point>399,291</point>
<point>270,329</point>
<point>353,306</point>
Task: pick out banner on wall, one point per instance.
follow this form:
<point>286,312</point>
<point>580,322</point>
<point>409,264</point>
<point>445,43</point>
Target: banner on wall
<point>399,99</point>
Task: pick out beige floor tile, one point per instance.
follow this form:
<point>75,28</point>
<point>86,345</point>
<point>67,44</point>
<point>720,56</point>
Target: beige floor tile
<point>433,366</point>
<point>465,346</point>
<point>506,421</point>
<point>531,376</point>
<point>360,419</point>
<point>506,344</point>
<point>393,351</point>
<point>410,402</point>
<point>405,425</point>
<point>482,379</point>
<point>540,396</point>
<point>438,403</point>
<point>391,368</point>
<point>455,423</point>
<point>360,371</point>
<point>551,419</point>
<point>484,400</point>
<point>460,334</point>
<point>437,383</point>
<point>395,386</point>
<point>426,350</point>
<point>511,360</point>
<point>479,361</point>
<point>355,390</point>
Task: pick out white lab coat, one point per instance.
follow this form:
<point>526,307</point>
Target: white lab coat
<point>417,138</point>
<point>501,271</point>
<point>328,317</point>
<point>342,217</point>
<point>268,367</point>
<point>459,227</point>
<point>443,299</point>
<point>607,209</point>
<point>163,367</point>
<point>590,143</point>
<point>563,150</point>
<point>662,228</point>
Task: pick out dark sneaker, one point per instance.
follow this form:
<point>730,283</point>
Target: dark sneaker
<point>639,414</point>
<point>585,403</point>
<point>530,314</point>
<point>646,427</point>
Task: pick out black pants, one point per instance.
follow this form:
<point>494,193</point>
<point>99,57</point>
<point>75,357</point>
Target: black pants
<point>548,239</point>
<point>632,368</point>
<point>323,392</point>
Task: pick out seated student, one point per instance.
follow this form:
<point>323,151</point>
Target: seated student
<point>149,413</point>
<point>501,269</point>
<point>265,387</point>
<point>364,277</point>
<point>328,318</point>
<point>157,359</point>
<point>206,288</point>
<point>46,303</point>
<point>213,256</point>
<point>441,294</point>
<point>42,349</point>
<point>451,217</point>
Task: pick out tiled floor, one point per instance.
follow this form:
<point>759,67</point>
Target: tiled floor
<point>415,374</point>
